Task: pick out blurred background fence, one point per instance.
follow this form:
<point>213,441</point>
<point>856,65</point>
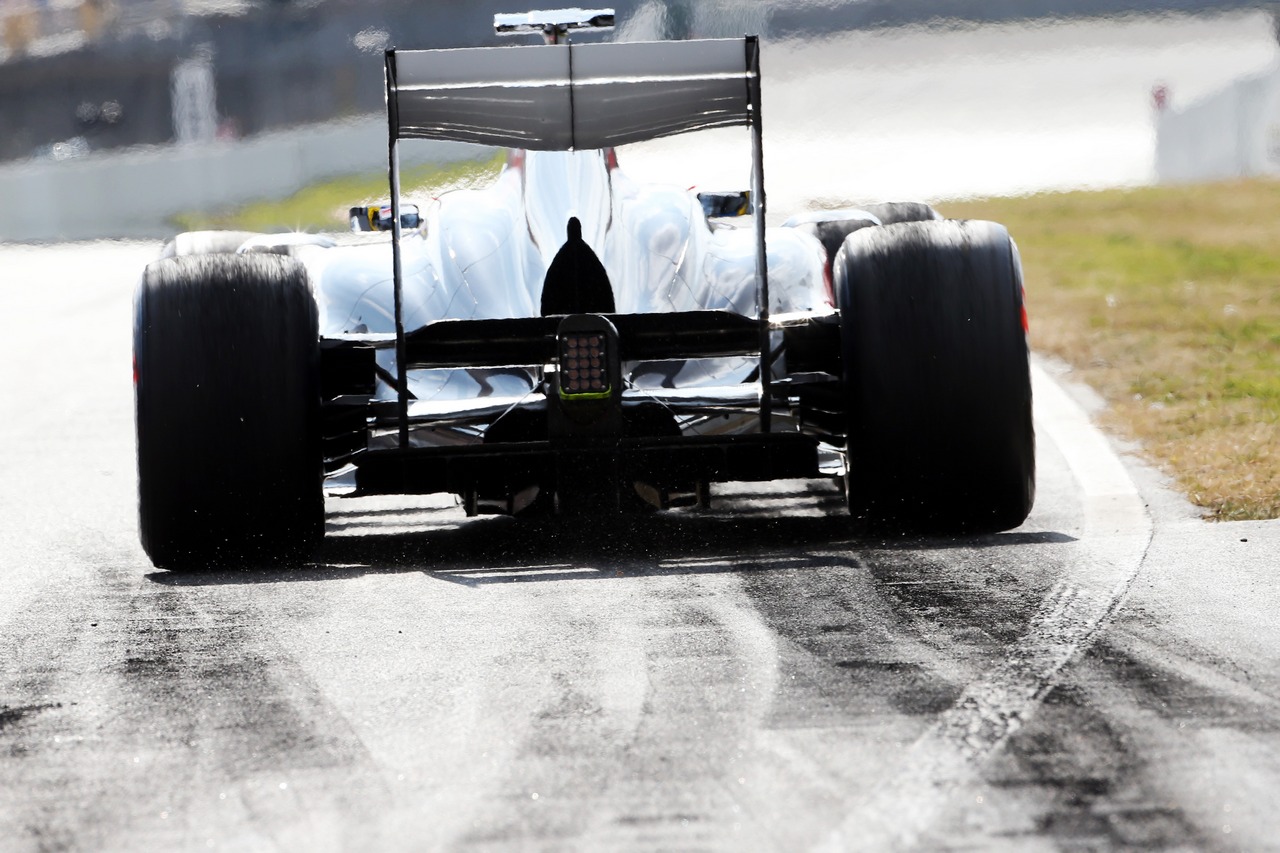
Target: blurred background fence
<point>1231,133</point>
<point>107,105</point>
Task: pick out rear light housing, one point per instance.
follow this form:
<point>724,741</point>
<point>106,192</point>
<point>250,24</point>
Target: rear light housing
<point>587,382</point>
<point>587,359</point>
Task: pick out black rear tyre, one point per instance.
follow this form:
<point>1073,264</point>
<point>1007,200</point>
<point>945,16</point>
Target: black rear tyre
<point>832,233</point>
<point>205,242</point>
<point>227,411</point>
<point>937,377</point>
<point>893,212</point>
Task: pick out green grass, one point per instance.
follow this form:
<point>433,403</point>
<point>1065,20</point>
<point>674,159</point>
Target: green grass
<point>1167,300</point>
<point>324,206</point>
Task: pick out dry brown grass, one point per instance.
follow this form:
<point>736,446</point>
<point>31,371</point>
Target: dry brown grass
<point>1167,300</point>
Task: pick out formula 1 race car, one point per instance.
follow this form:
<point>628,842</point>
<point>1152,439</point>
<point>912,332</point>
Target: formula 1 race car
<point>570,341</point>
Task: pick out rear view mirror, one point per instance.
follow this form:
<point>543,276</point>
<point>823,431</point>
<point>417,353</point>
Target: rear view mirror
<point>377,217</point>
<point>717,204</point>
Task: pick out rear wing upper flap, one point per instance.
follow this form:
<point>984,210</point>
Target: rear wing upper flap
<point>572,96</point>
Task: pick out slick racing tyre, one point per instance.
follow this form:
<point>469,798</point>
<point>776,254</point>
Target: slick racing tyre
<point>937,388</point>
<point>205,243</point>
<point>893,212</point>
<point>831,233</point>
<point>227,402</point>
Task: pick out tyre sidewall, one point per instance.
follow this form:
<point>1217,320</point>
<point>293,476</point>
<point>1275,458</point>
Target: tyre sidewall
<point>227,409</point>
<point>937,378</point>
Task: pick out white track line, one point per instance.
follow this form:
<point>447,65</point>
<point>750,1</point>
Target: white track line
<point>949,756</point>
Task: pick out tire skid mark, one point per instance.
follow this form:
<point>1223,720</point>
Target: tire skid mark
<point>169,718</point>
<point>1106,761</point>
<point>1070,780</point>
<point>699,675</point>
<point>1208,740</point>
<point>950,754</point>
<point>1191,688</point>
<point>58,651</point>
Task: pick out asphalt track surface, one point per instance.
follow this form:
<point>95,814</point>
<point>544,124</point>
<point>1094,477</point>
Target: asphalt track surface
<point>751,677</point>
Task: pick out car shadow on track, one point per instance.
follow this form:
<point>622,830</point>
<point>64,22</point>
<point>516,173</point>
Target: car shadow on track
<point>751,533</point>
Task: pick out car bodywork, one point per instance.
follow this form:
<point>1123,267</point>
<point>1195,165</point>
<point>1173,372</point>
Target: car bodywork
<point>452,327</point>
<point>568,340</point>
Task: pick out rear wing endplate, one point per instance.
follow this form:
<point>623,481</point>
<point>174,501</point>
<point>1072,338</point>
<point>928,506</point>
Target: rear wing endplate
<point>572,97</point>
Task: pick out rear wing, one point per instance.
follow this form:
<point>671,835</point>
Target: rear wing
<point>571,96</point>
<point>561,97</point>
